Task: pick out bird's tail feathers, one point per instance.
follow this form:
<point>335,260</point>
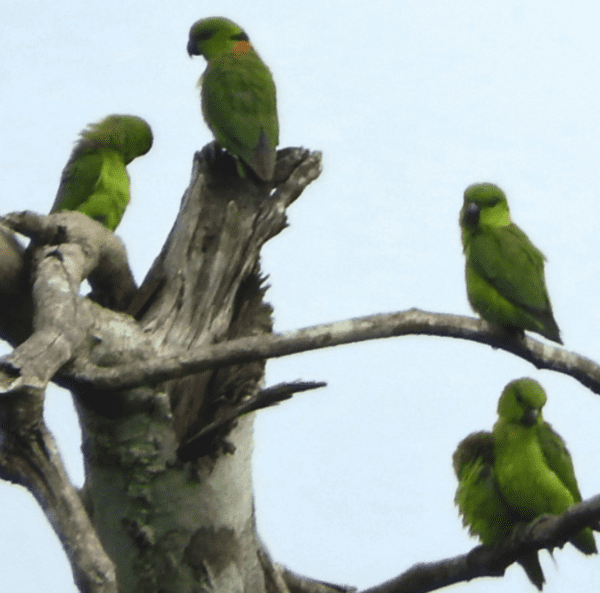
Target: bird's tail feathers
<point>531,565</point>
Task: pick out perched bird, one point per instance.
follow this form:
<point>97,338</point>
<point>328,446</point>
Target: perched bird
<point>94,180</point>
<point>485,511</point>
<point>516,473</point>
<point>238,94</point>
<point>533,466</point>
<point>504,270</point>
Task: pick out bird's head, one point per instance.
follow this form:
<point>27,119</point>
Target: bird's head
<point>212,36</point>
<point>521,402</point>
<point>128,134</point>
<point>484,205</point>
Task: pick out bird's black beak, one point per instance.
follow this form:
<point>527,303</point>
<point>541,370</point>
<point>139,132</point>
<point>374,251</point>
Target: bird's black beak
<point>191,48</point>
<point>471,215</point>
<point>528,419</point>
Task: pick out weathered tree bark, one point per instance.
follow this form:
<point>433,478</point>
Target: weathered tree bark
<point>185,523</point>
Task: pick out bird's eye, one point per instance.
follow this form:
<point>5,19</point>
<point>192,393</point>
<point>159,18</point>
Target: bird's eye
<point>519,398</point>
<point>494,202</point>
<point>241,36</point>
<point>204,35</point>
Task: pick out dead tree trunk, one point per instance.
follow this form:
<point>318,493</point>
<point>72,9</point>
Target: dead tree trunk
<point>172,506</point>
<point>175,517</point>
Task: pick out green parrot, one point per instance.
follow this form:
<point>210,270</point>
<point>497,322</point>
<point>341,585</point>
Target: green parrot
<point>238,94</point>
<point>484,509</point>
<point>94,180</point>
<point>516,473</point>
<point>504,270</point>
<point>533,467</point>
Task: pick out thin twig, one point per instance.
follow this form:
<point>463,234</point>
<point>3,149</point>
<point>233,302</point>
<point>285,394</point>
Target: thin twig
<point>270,396</point>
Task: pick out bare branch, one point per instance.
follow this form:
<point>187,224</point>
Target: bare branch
<point>270,396</point>
<point>491,561</point>
<point>71,248</point>
<point>30,457</point>
<point>57,332</point>
<point>411,322</point>
<point>298,584</point>
<point>297,177</point>
<point>102,258</point>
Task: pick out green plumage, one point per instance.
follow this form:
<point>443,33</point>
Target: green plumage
<point>485,511</point>
<point>94,180</point>
<point>533,466</point>
<point>504,270</point>
<point>516,473</point>
<point>238,94</point>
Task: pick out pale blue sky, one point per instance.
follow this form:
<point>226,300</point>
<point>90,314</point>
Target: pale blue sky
<point>410,102</point>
